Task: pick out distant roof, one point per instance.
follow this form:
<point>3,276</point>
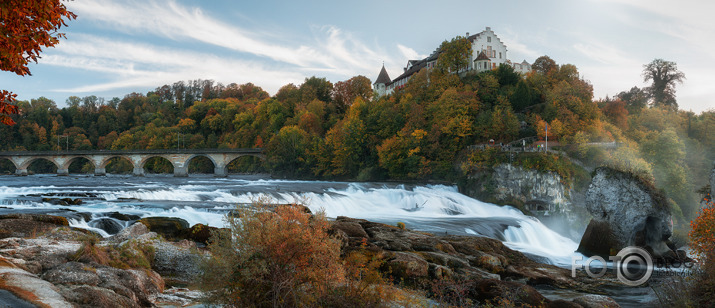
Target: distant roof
<point>417,65</point>
<point>482,56</point>
<point>414,69</point>
<point>383,77</point>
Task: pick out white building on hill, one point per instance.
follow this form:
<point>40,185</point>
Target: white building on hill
<point>488,52</point>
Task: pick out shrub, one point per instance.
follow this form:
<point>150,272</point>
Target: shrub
<point>700,288</point>
<point>702,234</point>
<point>401,225</point>
<point>89,251</point>
<point>282,256</point>
<point>133,254</point>
<point>271,258</point>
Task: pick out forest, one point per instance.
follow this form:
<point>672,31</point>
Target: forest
<point>342,131</point>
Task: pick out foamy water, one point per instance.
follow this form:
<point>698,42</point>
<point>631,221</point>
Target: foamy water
<point>433,208</point>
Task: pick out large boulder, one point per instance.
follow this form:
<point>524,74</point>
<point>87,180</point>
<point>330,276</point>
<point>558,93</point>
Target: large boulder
<point>29,225</point>
<point>29,287</point>
<point>178,262</point>
<point>171,228</point>
<point>507,293</point>
<point>109,225</point>
<point>627,211</point>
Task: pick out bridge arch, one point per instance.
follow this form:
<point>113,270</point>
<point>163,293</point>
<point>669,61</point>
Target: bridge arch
<point>144,160</point>
<point>4,164</point>
<point>106,160</point>
<point>26,164</point>
<point>235,162</point>
<point>188,161</point>
<point>66,164</point>
<point>178,159</point>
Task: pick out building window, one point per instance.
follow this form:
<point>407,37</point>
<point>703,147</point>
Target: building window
<point>489,39</point>
<point>500,55</point>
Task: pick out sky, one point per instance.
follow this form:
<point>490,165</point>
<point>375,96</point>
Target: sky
<point>116,47</point>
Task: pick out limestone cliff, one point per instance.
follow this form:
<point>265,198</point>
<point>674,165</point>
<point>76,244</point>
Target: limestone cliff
<point>626,211</point>
<point>527,189</point>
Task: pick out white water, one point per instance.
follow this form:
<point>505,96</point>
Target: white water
<point>433,208</point>
<point>429,203</point>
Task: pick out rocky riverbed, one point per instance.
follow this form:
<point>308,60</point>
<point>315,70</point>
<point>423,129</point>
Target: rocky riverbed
<point>40,265</point>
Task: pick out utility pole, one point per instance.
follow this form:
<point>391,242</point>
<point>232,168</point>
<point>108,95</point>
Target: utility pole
<point>546,130</point>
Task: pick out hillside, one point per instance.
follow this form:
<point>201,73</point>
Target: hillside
<point>341,131</point>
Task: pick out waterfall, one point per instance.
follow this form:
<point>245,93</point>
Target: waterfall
<point>432,208</point>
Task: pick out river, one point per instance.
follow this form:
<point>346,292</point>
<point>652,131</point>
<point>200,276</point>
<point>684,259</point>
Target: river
<point>205,199</point>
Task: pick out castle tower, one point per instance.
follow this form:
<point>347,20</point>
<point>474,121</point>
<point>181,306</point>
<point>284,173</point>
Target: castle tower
<point>383,79</point>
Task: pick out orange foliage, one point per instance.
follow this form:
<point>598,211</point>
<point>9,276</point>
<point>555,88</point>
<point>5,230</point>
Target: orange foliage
<point>26,27</point>
<point>616,111</point>
<point>702,234</point>
<point>273,257</point>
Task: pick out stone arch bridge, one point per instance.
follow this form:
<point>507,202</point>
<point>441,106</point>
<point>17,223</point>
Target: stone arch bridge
<point>99,159</point>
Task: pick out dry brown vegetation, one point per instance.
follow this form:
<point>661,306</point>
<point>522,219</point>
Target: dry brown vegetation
<point>284,257</point>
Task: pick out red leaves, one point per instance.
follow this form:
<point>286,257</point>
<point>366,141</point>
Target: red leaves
<point>26,26</point>
<point>6,108</point>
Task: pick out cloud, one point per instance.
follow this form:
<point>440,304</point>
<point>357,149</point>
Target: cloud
<point>605,53</point>
<point>244,54</point>
<point>332,50</point>
<point>688,20</point>
<point>172,20</point>
<point>517,50</point>
<point>409,53</point>
<point>143,65</point>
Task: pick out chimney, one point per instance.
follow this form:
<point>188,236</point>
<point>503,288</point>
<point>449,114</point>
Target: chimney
<point>489,29</point>
<point>467,34</point>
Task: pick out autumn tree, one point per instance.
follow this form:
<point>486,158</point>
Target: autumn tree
<point>26,26</point>
<point>316,88</point>
<point>345,92</point>
<point>663,76</point>
<point>347,140</point>
<point>402,155</point>
<point>616,112</point>
<point>244,92</point>
<point>504,125</point>
<point>635,99</point>
<point>287,151</point>
<point>543,65</point>
<point>454,54</point>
